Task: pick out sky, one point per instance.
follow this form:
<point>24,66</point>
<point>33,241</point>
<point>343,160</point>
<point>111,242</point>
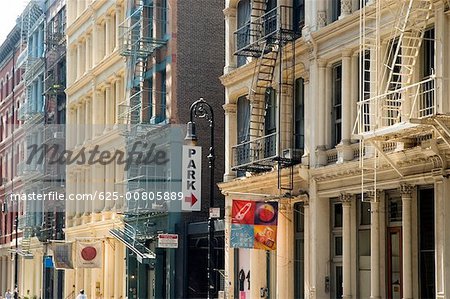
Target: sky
<point>9,11</point>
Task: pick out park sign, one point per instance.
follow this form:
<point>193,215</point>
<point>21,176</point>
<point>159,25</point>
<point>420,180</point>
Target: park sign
<point>191,178</point>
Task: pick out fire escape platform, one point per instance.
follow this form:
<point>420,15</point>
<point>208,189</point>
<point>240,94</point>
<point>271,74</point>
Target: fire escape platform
<point>128,237</point>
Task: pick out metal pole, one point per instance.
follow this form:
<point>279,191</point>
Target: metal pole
<point>16,256</point>
<point>201,109</point>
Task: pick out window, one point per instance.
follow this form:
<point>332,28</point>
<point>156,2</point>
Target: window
<point>428,53</point>
<point>299,114</point>
<point>363,241</point>
<point>336,249</point>
<point>162,116</point>
<point>299,15</point>
<point>243,25</point>
<point>335,10</point>
<point>243,131</point>
<point>337,104</point>
<point>299,254</point>
<point>270,123</point>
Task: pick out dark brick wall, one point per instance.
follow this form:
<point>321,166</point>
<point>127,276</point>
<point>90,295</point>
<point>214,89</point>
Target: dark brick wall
<point>200,56</point>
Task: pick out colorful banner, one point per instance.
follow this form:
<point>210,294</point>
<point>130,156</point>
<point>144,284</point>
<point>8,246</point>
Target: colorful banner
<point>62,256</point>
<point>254,224</point>
<point>89,254</point>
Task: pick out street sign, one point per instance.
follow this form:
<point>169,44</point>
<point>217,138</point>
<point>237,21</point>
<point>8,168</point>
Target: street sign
<point>214,212</point>
<point>192,178</point>
<point>168,241</point>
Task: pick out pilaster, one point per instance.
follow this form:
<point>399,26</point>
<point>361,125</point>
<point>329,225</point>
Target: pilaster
<point>406,193</point>
<point>346,200</point>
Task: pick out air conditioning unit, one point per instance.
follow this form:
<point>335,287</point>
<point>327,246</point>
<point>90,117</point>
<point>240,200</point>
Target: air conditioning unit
<point>293,154</point>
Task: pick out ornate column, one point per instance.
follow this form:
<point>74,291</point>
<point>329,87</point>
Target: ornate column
<point>107,35</point>
<point>375,245</point>
<point>321,14</point>
<point>230,139</point>
<point>321,119</point>
<point>117,100</point>
<point>346,8</point>
<point>108,107</point>
<point>70,204</point>
<point>118,21</point>
<point>88,53</point>
<point>345,152</point>
<point>119,269</point>
<point>78,64</point>
<point>97,127</point>
<point>346,244</point>
<point>406,192</point>
<point>95,48</point>
<point>285,252</point>
<point>230,46</point>
<point>78,124</point>
<point>88,119</point>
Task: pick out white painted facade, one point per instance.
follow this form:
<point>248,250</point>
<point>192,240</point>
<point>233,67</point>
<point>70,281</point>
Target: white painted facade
<point>348,248</point>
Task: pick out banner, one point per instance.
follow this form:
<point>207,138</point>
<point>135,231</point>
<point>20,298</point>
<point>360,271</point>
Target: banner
<point>191,178</point>
<point>89,254</point>
<point>254,224</point>
<point>62,256</point>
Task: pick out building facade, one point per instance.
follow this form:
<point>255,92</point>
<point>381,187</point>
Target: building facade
<point>164,51</point>
<point>338,110</point>
<point>95,87</point>
<point>12,96</point>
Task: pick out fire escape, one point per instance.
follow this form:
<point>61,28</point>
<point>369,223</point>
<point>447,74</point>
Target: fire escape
<point>140,35</point>
<point>31,60</point>
<point>268,39</point>
<point>394,107</point>
<point>53,131</point>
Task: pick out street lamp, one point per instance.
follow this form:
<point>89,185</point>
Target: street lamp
<point>201,109</point>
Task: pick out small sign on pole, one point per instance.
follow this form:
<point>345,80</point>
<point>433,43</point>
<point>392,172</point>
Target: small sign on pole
<point>168,241</point>
<point>214,212</point>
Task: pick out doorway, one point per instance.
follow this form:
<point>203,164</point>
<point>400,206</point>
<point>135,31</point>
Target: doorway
<point>394,257</point>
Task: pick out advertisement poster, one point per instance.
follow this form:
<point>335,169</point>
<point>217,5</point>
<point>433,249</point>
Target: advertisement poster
<point>254,224</point>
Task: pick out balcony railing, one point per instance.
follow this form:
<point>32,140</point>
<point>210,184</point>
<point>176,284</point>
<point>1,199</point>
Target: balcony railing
<point>275,26</point>
<point>258,153</point>
<point>415,101</point>
<point>143,31</point>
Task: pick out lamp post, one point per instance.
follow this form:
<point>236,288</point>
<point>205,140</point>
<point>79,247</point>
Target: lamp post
<point>201,109</point>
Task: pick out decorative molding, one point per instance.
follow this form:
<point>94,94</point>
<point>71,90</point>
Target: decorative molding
<point>321,19</point>
<point>229,12</point>
<point>229,108</point>
<point>346,7</point>
<point>406,190</point>
<point>346,199</point>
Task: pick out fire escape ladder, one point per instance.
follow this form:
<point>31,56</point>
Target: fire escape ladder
<point>403,53</point>
<point>262,79</point>
<point>380,108</point>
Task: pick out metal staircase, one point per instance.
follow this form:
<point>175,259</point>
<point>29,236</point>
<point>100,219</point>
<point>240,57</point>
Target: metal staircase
<point>393,106</point>
<point>265,38</point>
<point>262,79</point>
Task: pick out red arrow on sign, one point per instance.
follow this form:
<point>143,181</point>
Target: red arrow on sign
<point>192,199</point>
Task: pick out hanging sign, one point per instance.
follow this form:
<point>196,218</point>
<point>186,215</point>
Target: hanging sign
<point>89,254</point>
<point>62,256</point>
<point>254,224</point>
<point>191,178</point>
